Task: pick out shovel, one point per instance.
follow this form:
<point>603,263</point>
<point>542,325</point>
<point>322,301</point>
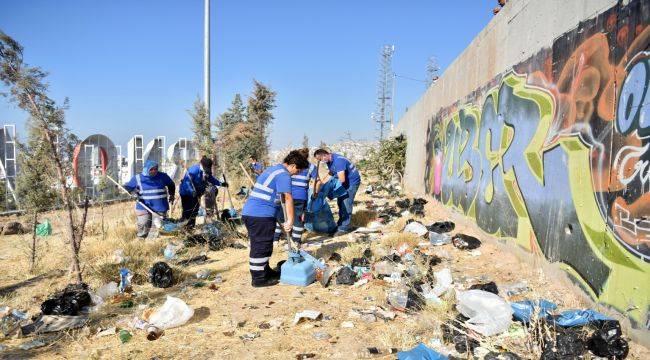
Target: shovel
<point>232,211</point>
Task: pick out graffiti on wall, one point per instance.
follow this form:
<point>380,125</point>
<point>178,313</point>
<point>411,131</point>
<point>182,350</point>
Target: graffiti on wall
<point>555,155</point>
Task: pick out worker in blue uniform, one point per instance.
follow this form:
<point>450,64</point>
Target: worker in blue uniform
<point>155,191</point>
<point>259,215</point>
<point>193,186</point>
<point>349,176</point>
<point>299,190</point>
<point>255,166</point>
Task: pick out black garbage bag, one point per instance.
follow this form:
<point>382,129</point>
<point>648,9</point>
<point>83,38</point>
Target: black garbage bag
<point>346,276</point>
<point>501,356</point>
<point>335,257</point>
<point>489,287</point>
<point>606,340</point>
<point>419,201</point>
<point>215,243</point>
<point>69,301</point>
<point>568,344</point>
<point>161,275</point>
<point>403,204</point>
<point>450,334</point>
<point>465,242</point>
<point>392,258</point>
<point>441,227</point>
<point>360,262</point>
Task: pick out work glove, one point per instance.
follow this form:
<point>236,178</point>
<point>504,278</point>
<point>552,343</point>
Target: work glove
<point>224,184</point>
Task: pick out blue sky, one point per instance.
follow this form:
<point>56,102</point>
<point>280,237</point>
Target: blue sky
<point>135,67</point>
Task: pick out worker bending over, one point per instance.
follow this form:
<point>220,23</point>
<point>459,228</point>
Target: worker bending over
<point>299,190</point>
<point>193,186</point>
<point>156,190</point>
<point>259,215</point>
<point>349,176</point>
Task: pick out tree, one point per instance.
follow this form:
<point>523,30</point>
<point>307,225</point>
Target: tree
<point>259,116</point>
<point>35,183</point>
<point>305,141</point>
<point>236,114</point>
<point>29,91</point>
<point>202,129</point>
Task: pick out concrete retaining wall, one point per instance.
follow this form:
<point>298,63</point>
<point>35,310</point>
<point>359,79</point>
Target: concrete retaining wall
<point>540,132</point>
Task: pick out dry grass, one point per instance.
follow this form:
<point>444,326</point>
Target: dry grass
<point>235,301</point>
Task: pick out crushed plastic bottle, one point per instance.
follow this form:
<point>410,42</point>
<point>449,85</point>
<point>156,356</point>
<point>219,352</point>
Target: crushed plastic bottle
<point>125,279</point>
<point>170,252</point>
<point>437,239</point>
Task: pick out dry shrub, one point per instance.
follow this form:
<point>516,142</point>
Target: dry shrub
<point>353,251</point>
<point>363,217</point>
<point>395,240</point>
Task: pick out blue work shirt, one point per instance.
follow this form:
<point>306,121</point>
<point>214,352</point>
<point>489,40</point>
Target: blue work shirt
<point>195,181</point>
<point>264,198</point>
<point>256,167</point>
<point>300,182</point>
<point>153,190</point>
<point>340,163</point>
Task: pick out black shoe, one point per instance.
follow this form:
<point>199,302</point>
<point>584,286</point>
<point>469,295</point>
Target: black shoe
<point>264,283</point>
<point>273,274</point>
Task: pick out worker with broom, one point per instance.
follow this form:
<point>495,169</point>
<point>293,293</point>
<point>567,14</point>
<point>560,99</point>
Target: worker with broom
<point>299,191</point>
<point>349,176</point>
<point>193,186</point>
<point>259,215</point>
<point>155,191</point>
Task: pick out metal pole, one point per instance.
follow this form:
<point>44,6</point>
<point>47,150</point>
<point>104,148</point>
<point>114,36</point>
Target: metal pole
<point>206,57</point>
<point>392,103</point>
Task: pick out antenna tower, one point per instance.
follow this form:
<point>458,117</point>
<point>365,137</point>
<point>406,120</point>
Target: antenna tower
<point>383,116</point>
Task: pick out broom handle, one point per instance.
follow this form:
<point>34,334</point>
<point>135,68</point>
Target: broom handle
<point>284,212</point>
<point>137,200</point>
<point>250,179</point>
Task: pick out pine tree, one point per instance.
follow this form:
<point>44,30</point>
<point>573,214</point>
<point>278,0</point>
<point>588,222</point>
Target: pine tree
<point>202,129</point>
<point>27,88</point>
<point>35,183</point>
<point>259,116</point>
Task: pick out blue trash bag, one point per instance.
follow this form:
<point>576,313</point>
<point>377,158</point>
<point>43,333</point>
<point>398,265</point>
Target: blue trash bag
<point>524,310</point>
<point>571,318</point>
<point>420,352</point>
<point>318,216</point>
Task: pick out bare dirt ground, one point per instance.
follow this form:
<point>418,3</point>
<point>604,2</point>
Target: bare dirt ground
<point>234,309</point>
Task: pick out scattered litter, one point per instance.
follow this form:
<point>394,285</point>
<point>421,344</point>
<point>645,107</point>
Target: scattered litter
<point>125,280</point>
<point>384,268</point>
<point>346,276</point>
<point>200,259</point>
<point>107,332</point>
<point>369,189</point>
<point>403,299</point>
<point>501,356</point>
<point>416,227</point>
<point>170,252</point>
<point>173,313</point>
<point>67,302</point>
<point>125,336</point>
<point>53,323</point>
<point>161,275</point>
<point>420,352</point>
<point>335,257</point>
<point>475,253</point>
<point>489,287</point>
<point>567,345</point>
<point>524,311</point>
<point>307,315</point>
<point>451,334</point>
<point>368,318</point>
<point>44,228</point>
<point>403,204</point>
<point>360,262</point>
<point>443,281</point>
<point>203,274</point>
<point>606,341</point>
<point>515,289</point>
<point>465,242</point>
<point>154,333</point>
<point>34,344</point>
<point>488,313</point>
<point>441,227</point>
<point>125,304</point>
<point>119,258</point>
<point>347,325</point>
<point>579,317</point>
<point>107,290</point>
<point>373,351</point>
<point>438,239</point>
<point>321,335</point>
<point>360,282</point>
<point>305,356</point>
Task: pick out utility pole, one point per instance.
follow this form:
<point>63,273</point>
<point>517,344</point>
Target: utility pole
<point>206,56</point>
<point>385,89</point>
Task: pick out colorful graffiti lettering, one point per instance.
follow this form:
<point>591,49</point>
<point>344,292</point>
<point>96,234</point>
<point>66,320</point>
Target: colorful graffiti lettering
<point>556,157</point>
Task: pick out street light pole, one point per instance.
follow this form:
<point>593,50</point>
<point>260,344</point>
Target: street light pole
<point>206,57</point>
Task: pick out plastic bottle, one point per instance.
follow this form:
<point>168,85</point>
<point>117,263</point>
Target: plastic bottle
<point>439,239</point>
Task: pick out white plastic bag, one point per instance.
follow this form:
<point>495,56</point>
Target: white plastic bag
<point>488,313</point>
<point>443,281</point>
<point>416,228</point>
<point>173,313</point>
